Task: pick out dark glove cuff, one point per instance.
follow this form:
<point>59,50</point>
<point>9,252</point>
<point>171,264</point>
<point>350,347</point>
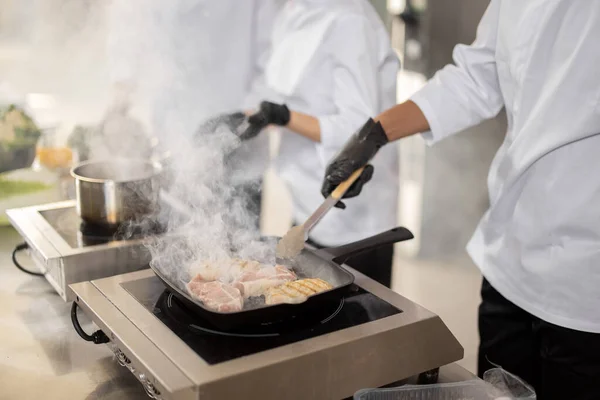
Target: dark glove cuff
<point>277,114</point>
<point>364,144</point>
<point>374,133</point>
<point>283,116</point>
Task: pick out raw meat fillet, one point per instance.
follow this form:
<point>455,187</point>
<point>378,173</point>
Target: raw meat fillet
<point>216,295</point>
<point>205,271</point>
<point>224,270</point>
<point>296,291</point>
<point>256,282</point>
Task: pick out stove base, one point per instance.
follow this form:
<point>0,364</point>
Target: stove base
<point>64,255</point>
<point>329,366</point>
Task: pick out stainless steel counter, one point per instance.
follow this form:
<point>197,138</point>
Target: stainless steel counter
<point>41,356</point>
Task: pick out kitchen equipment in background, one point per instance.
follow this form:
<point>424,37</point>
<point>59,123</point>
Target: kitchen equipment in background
<point>67,250</point>
<point>112,192</point>
<point>475,389</point>
<point>26,187</point>
<point>18,138</point>
<point>497,384</point>
<point>293,241</point>
<point>51,154</point>
<point>88,141</point>
<point>323,264</point>
<point>372,338</point>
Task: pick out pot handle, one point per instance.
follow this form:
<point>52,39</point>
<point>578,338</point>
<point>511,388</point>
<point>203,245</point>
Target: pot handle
<point>341,253</point>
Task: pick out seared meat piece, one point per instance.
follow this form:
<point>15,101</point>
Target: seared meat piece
<point>205,271</point>
<point>256,282</point>
<point>225,270</point>
<point>224,285</point>
<point>296,291</point>
<point>216,295</point>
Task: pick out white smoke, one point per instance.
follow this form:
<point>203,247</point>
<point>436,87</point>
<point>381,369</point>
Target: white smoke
<point>215,224</point>
<point>57,48</point>
<point>66,43</point>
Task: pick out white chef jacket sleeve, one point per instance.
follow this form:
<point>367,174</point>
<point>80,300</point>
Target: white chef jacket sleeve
<point>462,95</point>
<point>264,17</point>
<point>355,47</point>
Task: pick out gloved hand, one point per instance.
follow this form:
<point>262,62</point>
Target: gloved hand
<point>269,113</point>
<point>357,152</point>
<point>231,121</point>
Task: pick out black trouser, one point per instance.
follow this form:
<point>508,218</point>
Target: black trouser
<point>559,363</point>
<point>376,263</point>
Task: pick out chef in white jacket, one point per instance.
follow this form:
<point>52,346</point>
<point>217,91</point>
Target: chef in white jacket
<point>185,61</point>
<point>538,245</point>
<point>332,66</point>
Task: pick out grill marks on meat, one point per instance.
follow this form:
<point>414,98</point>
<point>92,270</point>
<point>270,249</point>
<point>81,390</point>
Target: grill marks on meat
<point>216,295</point>
<point>256,282</point>
<point>296,291</point>
<point>223,286</point>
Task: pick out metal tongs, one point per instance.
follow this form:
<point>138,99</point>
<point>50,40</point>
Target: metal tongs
<point>292,243</point>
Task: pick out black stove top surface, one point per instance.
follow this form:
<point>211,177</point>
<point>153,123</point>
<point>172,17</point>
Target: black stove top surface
<point>78,234</point>
<point>215,346</point>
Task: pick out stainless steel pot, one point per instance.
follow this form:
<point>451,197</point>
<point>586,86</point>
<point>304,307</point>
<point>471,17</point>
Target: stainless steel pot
<point>110,192</point>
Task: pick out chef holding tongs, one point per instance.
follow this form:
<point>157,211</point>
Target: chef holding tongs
<point>538,245</point>
<point>331,66</point>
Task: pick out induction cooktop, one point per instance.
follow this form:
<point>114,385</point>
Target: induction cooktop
<point>216,346</point>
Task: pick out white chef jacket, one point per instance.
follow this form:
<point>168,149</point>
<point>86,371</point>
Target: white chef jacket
<point>332,59</point>
<point>192,60</point>
<point>539,242</point>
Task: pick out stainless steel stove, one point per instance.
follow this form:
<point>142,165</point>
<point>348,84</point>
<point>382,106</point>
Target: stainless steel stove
<point>66,250</point>
<point>370,339</point>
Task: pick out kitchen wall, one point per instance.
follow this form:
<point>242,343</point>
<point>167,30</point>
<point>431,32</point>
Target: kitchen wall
<point>56,47</point>
<point>382,9</point>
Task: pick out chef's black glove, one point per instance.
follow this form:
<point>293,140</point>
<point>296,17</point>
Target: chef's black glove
<point>231,121</point>
<point>269,113</point>
<point>357,152</point>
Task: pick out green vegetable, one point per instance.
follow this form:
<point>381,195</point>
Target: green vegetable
<point>18,138</point>
<point>10,188</point>
<point>16,125</point>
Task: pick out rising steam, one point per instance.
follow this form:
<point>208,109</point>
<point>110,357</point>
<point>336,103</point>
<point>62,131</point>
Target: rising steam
<point>59,50</point>
<point>67,41</point>
<point>210,220</point>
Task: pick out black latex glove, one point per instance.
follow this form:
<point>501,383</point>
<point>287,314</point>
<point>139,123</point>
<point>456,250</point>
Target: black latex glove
<point>357,152</point>
<point>268,113</point>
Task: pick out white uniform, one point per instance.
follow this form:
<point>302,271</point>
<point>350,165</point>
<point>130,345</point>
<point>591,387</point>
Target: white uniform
<point>192,59</point>
<point>539,243</point>
<point>332,59</point>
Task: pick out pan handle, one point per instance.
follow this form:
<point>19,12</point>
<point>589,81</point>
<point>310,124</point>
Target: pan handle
<point>340,254</point>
